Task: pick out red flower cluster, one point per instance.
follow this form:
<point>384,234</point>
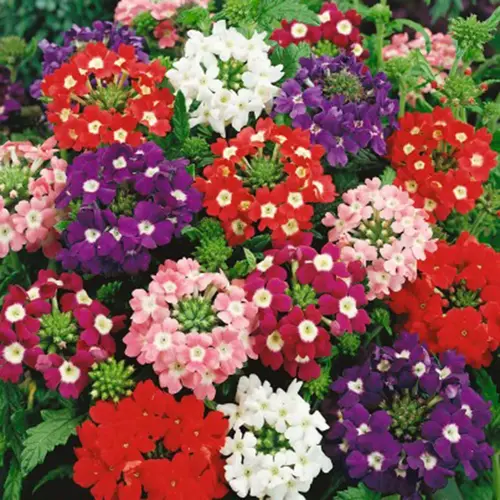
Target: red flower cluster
<point>339,28</point>
<point>151,443</point>
<point>103,97</point>
<point>455,303</point>
<point>267,177</point>
<point>441,161</point>
<point>56,329</point>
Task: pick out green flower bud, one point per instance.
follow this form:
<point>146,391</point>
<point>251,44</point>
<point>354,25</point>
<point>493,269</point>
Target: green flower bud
<point>349,344</point>
<point>111,379</point>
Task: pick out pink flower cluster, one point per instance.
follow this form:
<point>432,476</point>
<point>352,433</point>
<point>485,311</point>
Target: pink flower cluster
<point>27,197</point>
<point>194,327</point>
<point>440,57</point>
<point>380,227</point>
<point>57,329</point>
<point>127,10</point>
<point>303,297</point>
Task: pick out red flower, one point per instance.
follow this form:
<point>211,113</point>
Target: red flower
<point>181,454</point>
<point>441,161</point>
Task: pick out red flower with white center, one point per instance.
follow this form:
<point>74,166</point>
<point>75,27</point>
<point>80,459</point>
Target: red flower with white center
<point>340,29</point>
<point>267,177</point>
<point>100,96</point>
<point>452,303</point>
<point>441,161</point>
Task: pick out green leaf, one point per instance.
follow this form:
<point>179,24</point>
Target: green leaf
<point>272,12</point>
<point>60,472</point>
<point>388,176</point>
<point>487,388</point>
<point>361,492</point>
<point>478,490</point>
<point>57,427</point>
<point>191,233</point>
<point>258,243</point>
<point>251,259</point>
<point>290,58</point>
<point>62,225</point>
<point>383,318</point>
<point>180,120</point>
<point>14,482</point>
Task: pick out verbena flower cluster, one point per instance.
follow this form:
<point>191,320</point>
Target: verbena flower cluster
<point>31,178</point>
<point>269,176</point>
<point>274,445</point>
<point>403,422</point>
<point>454,303</point>
<point>57,329</point>
<point>337,31</point>
<point>11,95</point>
<point>192,326</point>
<point>380,227</point>
<point>227,76</point>
<point>125,202</point>
<point>150,443</point>
<point>103,96</point>
<point>441,161</point>
<point>303,297</point>
<point>345,108</point>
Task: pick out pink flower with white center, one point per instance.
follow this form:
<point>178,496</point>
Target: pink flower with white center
<point>136,341</point>
<point>171,373</point>
<point>197,354</point>
<point>396,233</point>
<point>147,306</point>
<point>230,349</point>
<point>234,309</point>
<point>10,238</point>
<point>34,219</point>
<point>170,285</point>
<point>15,353</point>
<point>161,338</point>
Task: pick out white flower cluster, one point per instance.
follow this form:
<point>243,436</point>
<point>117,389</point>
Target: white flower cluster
<point>225,77</point>
<point>275,450</point>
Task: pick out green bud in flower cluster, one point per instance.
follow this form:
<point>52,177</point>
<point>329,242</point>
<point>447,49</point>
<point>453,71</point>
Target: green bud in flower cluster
<point>270,441</point>
<point>14,181</point>
<point>58,332</point>
<point>231,73</point>
<point>320,386</point>
<point>195,314</point>
<point>124,202</point>
<point>345,84</point>
<point>212,252</point>
<point>111,96</point>
<point>144,24</point>
<point>380,13</point>
<point>325,48</point>
<point>263,172</point>
<point>302,295</point>
<point>12,50</point>
<point>111,380</point>
<point>195,149</point>
<point>460,296</point>
<point>349,344</point>
<point>239,12</point>
<point>461,90</point>
<point>471,35</point>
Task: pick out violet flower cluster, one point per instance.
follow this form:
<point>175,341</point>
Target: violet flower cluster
<point>11,95</point>
<point>111,34</point>
<point>404,422</point>
<point>342,104</point>
<point>124,202</point>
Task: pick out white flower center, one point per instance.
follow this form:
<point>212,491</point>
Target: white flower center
<point>308,331</point>
<point>356,386</point>
<point>344,27</point>
<point>429,461</point>
<point>347,306</point>
<point>162,341</point>
<point>103,324</point>
<point>477,160</point>
<point>34,293</point>
<point>120,135</point>
<point>262,298</point>
<point>229,152</point>
<point>119,163</point>
<point>419,369</point>
<point>467,409</point>
<point>145,227</point>
<point>179,195</point>
<point>14,353</point>
<point>96,63</point>
<point>91,186</point>
<point>265,264</point>
<point>268,210</point>
<point>295,200</point>
<point>299,30</point>
<point>303,152</point>
<point>363,429</point>
<point>197,353</point>
<point>82,297</point>
<point>69,372</point>
<point>461,137</point>
<point>151,171</point>
<point>460,192</point>
<point>15,312</point>
<point>323,262</point>
<point>69,82</point>
<point>376,460</point>
<point>450,432</point>
<point>275,342</point>
<point>94,127</point>
<point>33,219</point>
<point>291,227</point>
<point>92,235</point>
<point>6,233</point>
<point>224,198</point>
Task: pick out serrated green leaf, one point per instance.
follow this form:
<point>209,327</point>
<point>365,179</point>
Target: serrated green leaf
<point>180,119</point>
<point>487,387</point>
<point>58,473</point>
<point>361,492</point>
<point>290,58</point>
<point>251,259</point>
<point>272,12</point>
<point>55,430</point>
<point>388,176</point>
<point>192,233</point>
<point>13,485</point>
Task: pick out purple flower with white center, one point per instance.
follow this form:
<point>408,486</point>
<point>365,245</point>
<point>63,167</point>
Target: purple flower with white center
<point>342,104</point>
<point>11,95</point>
<point>121,212</point>
<point>421,422</point>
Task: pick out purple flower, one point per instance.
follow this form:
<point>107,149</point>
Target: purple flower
<point>11,95</point>
<point>342,104</point>
<point>410,431</point>
<point>129,201</point>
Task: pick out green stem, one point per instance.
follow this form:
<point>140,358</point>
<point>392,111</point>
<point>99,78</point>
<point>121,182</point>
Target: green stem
<point>380,27</point>
<point>373,334</point>
<point>402,100</point>
<point>477,224</point>
<point>496,475</point>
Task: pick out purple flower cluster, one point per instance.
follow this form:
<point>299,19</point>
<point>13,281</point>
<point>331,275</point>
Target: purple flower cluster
<point>402,422</point>
<point>342,104</point>
<point>11,95</point>
<point>125,202</point>
<point>111,34</point>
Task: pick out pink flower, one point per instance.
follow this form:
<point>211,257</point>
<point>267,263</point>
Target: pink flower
<point>234,309</point>
<point>127,10</point>
<point>171,372</point>
<point>268,296</point>
<point>170,285</point>
<point>197,353</point>
<point>230,350</point>
<point>14,353</point>
<point>162,338</point>
<point>147,306</point>
<point>35,219</point>
<point>136,341</point>
<point>69,376</point>
<point>9,237</point>
<point>38,154</point>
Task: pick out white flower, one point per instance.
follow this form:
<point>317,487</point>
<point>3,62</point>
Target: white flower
<point>218,96</point>
<point>273,450</point>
